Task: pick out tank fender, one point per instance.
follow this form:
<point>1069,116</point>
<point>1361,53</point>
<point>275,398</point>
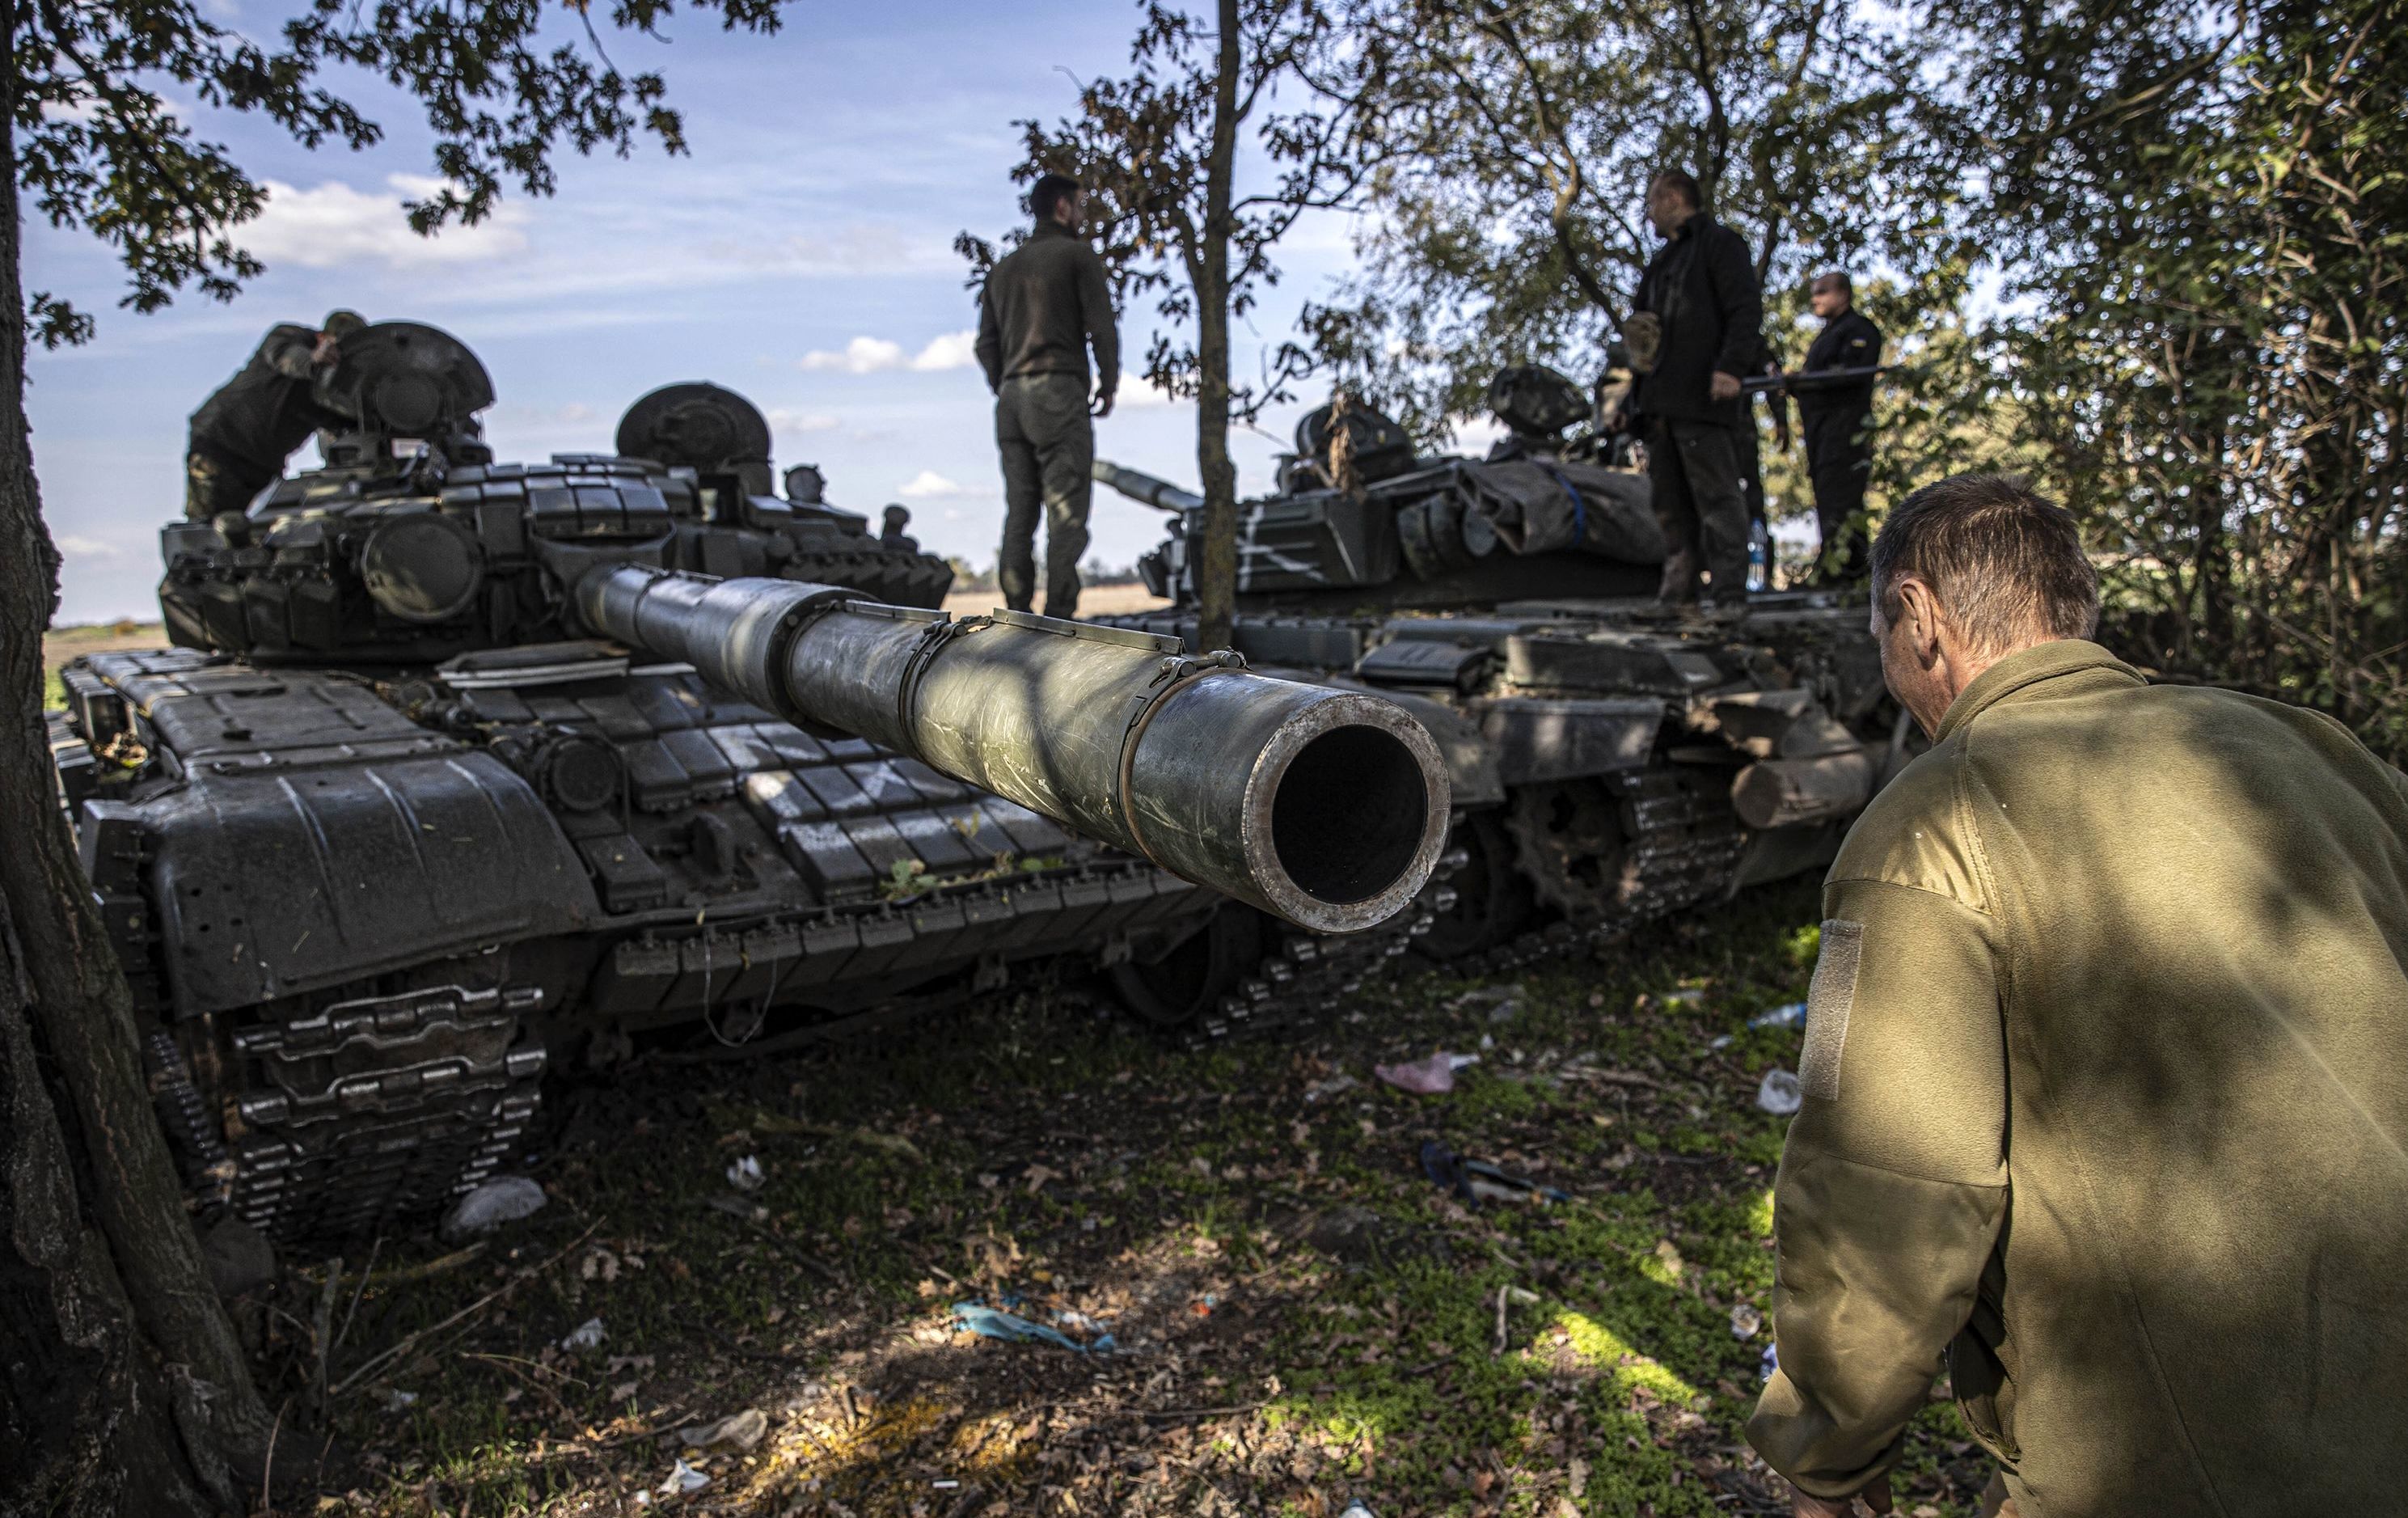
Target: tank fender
<point>1470,762</point>
<point>1540,739</point>
<point>268,884</point>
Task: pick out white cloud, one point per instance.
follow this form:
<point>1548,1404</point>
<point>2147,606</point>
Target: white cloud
<point>1475,434</point>
<point>863,355</point>
<point>75,547</point>
<point>1144,395</point>
<point>334,225</point>
<point>870,355</point>
<point>953,351</point>
<point>787,419</point>
<point>928,485</point>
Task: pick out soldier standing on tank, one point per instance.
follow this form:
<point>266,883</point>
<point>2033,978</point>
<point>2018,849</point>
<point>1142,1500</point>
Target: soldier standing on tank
<point>1838,422</point>
<point>245,431</point>
<point>1044,303</point>
<point>2105,1077</point>
<point>1695,328</point>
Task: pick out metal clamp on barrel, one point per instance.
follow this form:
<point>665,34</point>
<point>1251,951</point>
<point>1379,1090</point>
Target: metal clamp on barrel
<point>1177,673</point>
<point>932,642</point>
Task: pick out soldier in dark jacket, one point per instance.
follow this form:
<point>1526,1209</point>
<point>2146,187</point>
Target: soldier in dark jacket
<point>1043,304</point>
<point>244,432</point>
<point>1695,328</point>
<point>1839,425</point>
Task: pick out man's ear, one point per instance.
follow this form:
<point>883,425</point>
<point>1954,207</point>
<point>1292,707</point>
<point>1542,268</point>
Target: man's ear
<point>1920,610</point>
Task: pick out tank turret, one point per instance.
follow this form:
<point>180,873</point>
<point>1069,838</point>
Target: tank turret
<point>1609,759</point>
<point>412,545</point>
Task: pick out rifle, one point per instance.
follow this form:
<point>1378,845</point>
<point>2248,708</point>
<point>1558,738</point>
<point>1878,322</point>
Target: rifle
<point>1809,381</point>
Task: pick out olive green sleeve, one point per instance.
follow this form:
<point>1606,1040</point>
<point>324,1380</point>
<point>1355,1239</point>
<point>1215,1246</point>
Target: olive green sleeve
<point>1892,1184</point>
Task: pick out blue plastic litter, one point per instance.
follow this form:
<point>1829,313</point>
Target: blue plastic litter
<point>1477,1180</point>
<point>989,1324</point>
<point>1791,1016</point>
<point>1771,1360</point>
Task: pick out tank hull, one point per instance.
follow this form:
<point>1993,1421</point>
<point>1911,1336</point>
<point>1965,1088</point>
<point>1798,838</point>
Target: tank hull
<point>369,915</point>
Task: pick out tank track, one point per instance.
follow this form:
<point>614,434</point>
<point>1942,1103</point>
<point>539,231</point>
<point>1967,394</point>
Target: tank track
<point>1302,979</point>
<point>1681,845</point>
<point>338,1118</point>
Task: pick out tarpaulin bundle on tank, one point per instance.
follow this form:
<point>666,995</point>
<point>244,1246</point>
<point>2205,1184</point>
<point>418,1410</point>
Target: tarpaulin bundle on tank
<point>1542,506</point>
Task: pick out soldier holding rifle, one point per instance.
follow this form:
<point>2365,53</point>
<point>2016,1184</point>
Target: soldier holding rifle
<point>1836,415</point>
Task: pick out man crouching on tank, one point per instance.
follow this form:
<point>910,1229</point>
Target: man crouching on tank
<point>245,431</point>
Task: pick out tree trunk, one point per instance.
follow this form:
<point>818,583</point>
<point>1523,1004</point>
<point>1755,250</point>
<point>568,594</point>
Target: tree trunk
<point>139,1305</point>
<point>87,1420</point>
<point>1216,569</point>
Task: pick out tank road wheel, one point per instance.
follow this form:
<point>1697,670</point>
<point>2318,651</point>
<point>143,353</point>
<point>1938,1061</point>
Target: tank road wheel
<point>1573,848</point>
<point>1493,900</point>
<point>1176,986</point>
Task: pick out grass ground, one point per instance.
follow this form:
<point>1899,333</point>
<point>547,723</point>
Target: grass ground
<point>1301,1317</point>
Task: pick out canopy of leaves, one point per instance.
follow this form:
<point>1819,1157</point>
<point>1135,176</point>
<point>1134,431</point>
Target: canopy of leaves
<point>2200,217</point>
<point>1512,144</point>
<point>100,147</point>
<point>1142,145</point>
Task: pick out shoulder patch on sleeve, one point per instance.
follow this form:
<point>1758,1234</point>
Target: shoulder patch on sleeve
<point>1828,1001</point>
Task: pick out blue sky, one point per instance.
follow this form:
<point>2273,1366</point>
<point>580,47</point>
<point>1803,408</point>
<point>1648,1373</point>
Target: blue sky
<point>801,254</point>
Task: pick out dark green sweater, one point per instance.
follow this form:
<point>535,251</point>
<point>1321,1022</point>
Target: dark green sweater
<point>1044,301</point>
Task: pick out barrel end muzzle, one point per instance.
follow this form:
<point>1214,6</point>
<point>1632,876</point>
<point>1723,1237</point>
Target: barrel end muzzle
<point>1346,814</point>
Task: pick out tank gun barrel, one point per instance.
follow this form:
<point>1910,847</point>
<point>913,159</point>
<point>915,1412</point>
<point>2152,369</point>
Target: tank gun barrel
<point>1325,807</point>
<point>1145,489</point>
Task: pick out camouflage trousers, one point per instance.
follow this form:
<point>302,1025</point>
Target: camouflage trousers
<point>1048,442</point>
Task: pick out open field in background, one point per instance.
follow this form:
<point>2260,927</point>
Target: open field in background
<point>1093,600</point>
<point>1299,1317</point>
<point>62,644</point>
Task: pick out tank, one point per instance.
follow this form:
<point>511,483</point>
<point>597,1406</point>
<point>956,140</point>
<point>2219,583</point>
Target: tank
<point>1610,760</point>
<point>463,772</point>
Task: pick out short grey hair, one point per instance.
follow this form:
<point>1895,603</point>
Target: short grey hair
<point>2005,560</point>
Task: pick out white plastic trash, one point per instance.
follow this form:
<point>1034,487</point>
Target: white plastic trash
<point>741,1429</point>
<point>1779,1094</point>
<point>588,1335</point>
<point>683,1477</point>
<point>503,1199</point>
<point>1426,1077</point>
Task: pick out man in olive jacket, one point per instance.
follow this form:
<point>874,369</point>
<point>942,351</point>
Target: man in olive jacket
<point>1044,303</point>
<point>2105,1071</point>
